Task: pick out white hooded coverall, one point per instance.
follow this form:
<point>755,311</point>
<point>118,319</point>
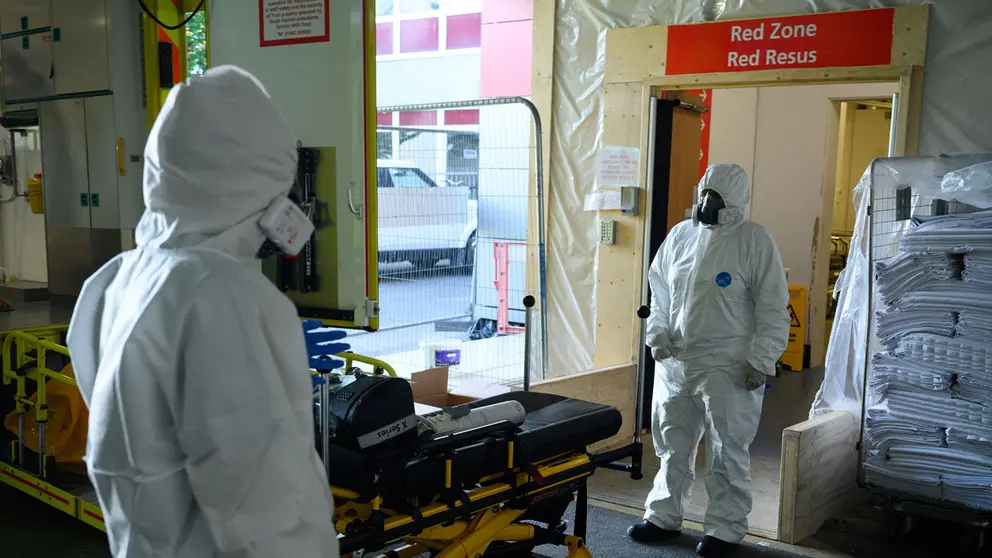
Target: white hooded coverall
<point>193,365</point>
<point>719,302</point>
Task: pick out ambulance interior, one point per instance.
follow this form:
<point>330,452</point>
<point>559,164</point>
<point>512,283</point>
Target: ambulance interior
<point>804,149</point>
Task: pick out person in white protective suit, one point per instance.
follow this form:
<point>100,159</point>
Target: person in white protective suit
<point>193,365</point>
<point>718,325</point>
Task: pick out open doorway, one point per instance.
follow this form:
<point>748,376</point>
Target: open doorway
<point>802,160</point>
<point>864,129</point>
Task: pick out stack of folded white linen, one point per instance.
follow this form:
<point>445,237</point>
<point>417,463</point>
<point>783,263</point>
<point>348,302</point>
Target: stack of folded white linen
<point>928,429</point>
<point>884,431</point>
<point>978,268</point>
<point>964,441</point>
<point>908,272</point>
<point>908,456</point>
<point>949,234</point>
<point>940,409</point>
<point>893,323</point>
<point>890,371</point>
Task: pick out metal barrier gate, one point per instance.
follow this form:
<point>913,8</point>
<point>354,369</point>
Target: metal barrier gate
<point>461,240</point>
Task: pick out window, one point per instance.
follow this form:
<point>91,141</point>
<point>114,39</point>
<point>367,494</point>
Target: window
<point>382,178</point>
<point>468,117</point>
<point>196,44</point>
<point>384,8</point>
<point>410,178</point>
<point>419,6</point>
<point>419,35</point>
<point>383,38</point>
<point>464,31</point>
<point>463,161</point>
<point>418,118</point>
<point>384,145</point>
<point>426,28</point>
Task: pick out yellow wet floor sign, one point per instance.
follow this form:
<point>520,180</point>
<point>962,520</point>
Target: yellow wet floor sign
<point>793,356</point>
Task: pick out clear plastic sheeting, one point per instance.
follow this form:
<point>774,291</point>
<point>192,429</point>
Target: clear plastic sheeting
<point>971,185</point>
<point>955,118</point>
<point>955,115</point>
<point>843,382</point>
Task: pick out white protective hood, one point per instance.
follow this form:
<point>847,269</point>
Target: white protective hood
<point>730,181</point>
<point>206,185</point>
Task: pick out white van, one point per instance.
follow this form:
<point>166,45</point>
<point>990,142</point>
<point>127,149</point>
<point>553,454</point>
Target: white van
<point>421,222</point>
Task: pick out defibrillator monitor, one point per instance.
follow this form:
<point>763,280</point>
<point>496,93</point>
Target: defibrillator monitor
<point>286,225</point>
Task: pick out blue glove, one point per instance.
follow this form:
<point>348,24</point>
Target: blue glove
<point>321,345</point>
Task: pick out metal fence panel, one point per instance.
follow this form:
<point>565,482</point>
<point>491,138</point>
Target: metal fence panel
<point>457,184</point>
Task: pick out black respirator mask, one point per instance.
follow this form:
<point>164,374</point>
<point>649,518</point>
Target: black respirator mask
<point>707,211</point>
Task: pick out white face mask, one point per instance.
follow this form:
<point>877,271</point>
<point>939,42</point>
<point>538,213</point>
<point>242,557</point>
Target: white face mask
<point>727,216</point>
<point>286,225</point>
<point>730,216</point>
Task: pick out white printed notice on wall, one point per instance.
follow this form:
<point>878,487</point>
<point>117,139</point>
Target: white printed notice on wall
<point>602,200</point>
<point>293,22</point>
<point>618,166</point>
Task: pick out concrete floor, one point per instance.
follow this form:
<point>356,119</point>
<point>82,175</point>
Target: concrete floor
<point>615,487</point>
<point>32,529</point>
<point>787,403</point>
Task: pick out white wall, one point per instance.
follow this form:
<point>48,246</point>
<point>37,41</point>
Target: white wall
<point>324,110</point>
<point>788,134</point>
<point>22,232</point>
<point>434,79</point>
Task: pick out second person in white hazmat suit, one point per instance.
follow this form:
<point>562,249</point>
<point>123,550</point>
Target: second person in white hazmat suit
<point>193,365</point>
<point>719,323</point>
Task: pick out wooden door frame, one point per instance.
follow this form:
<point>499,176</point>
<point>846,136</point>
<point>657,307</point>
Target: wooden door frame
<point>633,78</point>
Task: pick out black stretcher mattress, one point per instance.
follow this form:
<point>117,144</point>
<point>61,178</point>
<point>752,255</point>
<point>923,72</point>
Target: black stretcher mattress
<point>554,425</point>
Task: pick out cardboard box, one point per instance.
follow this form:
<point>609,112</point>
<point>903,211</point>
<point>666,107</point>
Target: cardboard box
<point>432,388</point>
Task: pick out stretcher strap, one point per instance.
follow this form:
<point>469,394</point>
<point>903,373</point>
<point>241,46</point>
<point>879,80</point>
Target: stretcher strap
<point>414,512</point>
<point>536,474</point>
<point>531,469</point>
<point>453,494</point>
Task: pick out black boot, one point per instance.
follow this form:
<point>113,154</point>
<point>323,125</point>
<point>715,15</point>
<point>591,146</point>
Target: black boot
<point>647,532</point>
<point>712,547</point>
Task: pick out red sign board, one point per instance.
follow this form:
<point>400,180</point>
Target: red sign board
<point>827,40</point>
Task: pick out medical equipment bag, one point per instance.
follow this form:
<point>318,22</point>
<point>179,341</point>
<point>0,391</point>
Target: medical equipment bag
<point>373,415</point>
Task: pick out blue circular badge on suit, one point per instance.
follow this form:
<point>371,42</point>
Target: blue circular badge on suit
<point>724,279</point>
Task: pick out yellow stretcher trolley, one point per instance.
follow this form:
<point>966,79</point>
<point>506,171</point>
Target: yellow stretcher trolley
<point>497,490</point>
